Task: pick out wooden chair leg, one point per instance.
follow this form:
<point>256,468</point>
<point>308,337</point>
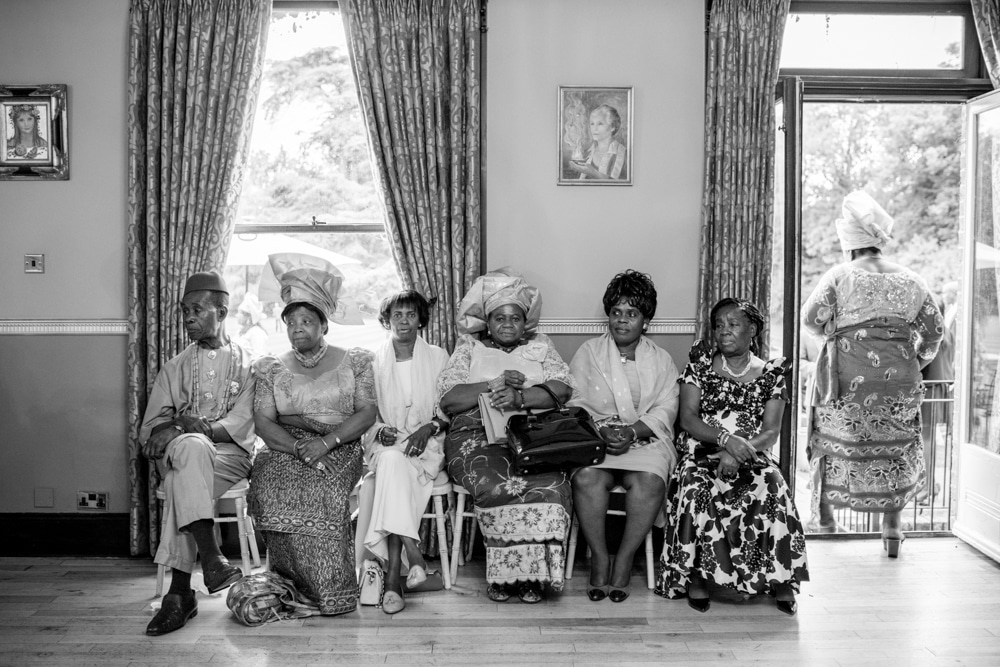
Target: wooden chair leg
<point>650,576</point>
<point>442,540</point>
<point>241,527</point>
<point>574,534</point>
<point>456,549</point>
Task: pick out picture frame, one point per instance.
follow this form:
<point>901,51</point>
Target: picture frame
<point>35,133</point>
<point>598,153</point>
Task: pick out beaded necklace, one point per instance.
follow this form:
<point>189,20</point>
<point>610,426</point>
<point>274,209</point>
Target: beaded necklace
<point>230,387</point>
<point>313,361</point>
<point>746,369</point>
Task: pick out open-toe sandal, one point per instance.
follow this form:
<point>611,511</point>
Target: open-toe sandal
<point>497,593</point>
<point>529,593</point>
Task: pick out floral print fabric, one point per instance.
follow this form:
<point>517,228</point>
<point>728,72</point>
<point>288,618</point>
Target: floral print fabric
<point>865,444</point>
<point>742,532</point>
<point>524,519</point>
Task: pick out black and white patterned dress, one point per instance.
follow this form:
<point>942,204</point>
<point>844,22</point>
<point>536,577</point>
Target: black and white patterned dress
<point>741,532</point>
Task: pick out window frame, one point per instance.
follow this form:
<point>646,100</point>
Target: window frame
<point>973,66</point>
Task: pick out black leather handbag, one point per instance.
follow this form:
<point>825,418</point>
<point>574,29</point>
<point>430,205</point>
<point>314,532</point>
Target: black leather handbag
<point>561,439</point>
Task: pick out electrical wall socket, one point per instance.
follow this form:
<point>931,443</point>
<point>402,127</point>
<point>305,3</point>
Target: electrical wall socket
<point>34,263</point>
<point>92,500</point>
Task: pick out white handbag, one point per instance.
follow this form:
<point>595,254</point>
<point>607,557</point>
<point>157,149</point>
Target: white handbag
<point>372,584</point>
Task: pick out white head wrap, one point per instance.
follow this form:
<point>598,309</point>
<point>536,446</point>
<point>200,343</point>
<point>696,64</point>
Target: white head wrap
<point>252,307</point>
<point>493,290</point>
<point>864,224</point>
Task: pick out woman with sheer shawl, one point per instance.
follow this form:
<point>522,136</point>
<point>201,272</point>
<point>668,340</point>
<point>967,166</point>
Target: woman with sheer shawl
<point>524,519</point>
<point>404,449</point>
<point>312,406</point>
<point>629,385</point>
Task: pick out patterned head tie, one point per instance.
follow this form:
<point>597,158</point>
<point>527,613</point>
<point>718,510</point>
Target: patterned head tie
<point>493,290</point>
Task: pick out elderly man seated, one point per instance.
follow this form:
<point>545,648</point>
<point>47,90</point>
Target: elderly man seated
<point>198,428</point>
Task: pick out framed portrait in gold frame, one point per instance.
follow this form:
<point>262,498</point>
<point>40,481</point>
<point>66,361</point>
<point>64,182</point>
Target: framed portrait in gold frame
<point>595,135</point>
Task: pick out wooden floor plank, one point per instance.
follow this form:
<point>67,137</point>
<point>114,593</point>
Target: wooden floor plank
<point>938,604</point>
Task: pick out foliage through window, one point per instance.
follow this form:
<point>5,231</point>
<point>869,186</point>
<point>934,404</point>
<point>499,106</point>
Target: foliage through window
<point>308,171</point>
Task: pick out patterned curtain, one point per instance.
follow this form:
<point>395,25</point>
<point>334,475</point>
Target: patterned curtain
<point>194,73</point>
<point>744,49</point>
<point>416,64</point>
<point>987,16</point>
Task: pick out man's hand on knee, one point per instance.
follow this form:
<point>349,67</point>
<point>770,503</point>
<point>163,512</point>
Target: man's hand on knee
<point>159,439</point>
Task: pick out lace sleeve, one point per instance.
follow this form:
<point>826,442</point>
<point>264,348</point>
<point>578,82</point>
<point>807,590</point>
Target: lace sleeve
<point>820,309</point>
<point>553,366</point>
<point>457,369</point>
<point>265,368</point>
<point>364,377</point>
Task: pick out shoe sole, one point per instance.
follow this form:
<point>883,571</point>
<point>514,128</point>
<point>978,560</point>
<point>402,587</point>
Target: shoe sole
<point>236,576</point>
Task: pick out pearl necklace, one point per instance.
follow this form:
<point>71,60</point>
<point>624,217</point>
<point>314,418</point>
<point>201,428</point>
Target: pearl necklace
<point>229,386</point>
<point>746,369</point>
<point>313,361</point>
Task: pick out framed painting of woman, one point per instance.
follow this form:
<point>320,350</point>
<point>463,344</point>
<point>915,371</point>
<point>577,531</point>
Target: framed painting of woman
<point>34,133</point>
<point>595,135</point>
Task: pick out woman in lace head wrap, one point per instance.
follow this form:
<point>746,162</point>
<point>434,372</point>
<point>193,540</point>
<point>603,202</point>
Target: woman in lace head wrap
<point>525,519</point>
<point>878,326</point>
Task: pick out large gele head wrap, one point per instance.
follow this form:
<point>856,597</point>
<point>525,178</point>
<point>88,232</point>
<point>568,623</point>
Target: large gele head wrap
<point>864,224</point>
<point>493,290</point>
<point>313,280</point>
<point>205,280</point>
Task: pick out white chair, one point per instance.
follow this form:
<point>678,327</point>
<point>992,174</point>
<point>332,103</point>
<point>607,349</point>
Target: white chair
<point>438,493</point>
<point>244,524</point>
<point>573,535</point>
<point>458,517</point>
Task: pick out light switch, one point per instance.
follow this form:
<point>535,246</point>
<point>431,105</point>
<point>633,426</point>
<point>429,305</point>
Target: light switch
<point>34,263</point>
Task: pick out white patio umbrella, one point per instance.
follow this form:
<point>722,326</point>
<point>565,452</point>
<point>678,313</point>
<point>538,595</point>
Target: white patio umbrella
<point>253,249</point>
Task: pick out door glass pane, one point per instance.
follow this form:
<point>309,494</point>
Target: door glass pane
<point>872,41</point>
<point>985,427</point>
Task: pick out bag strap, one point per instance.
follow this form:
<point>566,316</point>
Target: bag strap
<point>559,405</point>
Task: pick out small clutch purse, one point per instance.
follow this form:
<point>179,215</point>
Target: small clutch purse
<point>372,584</point>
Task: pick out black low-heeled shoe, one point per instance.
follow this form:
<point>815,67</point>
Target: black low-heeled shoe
<point>620,594</point>
<point>597,593</point>
<point>699,604</point>
<point>787,606</point>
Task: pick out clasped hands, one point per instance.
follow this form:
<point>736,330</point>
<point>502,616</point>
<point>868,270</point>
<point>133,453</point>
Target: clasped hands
<point>416,442</point>
<point>736,452</point>
<point>619,439</point>
<point>311,449</point>
<point>507,396</point>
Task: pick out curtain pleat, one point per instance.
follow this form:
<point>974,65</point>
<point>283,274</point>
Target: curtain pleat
<point>194,74</point>
<point>986,14</point>
<point>416,64</point>
<point>744,51</point>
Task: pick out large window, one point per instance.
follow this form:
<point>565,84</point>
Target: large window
<point>308,187</point>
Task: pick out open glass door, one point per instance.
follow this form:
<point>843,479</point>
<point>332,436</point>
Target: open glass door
<point>978,401</point>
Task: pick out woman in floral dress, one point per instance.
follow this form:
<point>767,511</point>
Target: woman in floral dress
<point>731,518</point>
<point>524,519</point>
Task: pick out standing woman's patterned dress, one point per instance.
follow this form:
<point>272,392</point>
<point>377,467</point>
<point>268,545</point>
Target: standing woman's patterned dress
<point>865,444</point>
<point>303,512</point>
<point>741,532</point>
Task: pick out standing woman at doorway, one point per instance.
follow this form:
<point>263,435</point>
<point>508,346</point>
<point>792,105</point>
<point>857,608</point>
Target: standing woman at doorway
<point>878,326</point>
